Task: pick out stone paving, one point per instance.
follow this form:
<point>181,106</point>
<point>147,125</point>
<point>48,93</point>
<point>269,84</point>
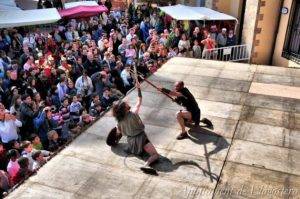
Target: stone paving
<point>252,152</point>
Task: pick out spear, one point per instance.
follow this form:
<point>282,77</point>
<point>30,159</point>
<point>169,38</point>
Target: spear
<point>151,84</point>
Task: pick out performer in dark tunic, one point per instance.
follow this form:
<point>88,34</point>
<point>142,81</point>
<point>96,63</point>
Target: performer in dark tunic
<point>131,125</point>
<point>192,111</point>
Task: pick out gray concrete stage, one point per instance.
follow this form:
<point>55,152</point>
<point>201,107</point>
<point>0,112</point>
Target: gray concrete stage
<point>253,151</point>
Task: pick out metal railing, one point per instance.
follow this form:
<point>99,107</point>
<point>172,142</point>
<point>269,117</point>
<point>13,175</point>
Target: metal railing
<point>230,53</point>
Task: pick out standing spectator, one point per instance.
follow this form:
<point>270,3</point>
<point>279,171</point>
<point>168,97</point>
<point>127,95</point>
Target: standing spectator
<point>184,44</point>
<point>231,39</point>
<point>221,42</point>
<point>62,88</point>
<point>84,85</point>
<point>27,113</point>
<point>197,50</point>
<point>126,77</point>
<point>209,44</point>
<point>43,124</point>
<point>58,4</point>
<point>9,128</point>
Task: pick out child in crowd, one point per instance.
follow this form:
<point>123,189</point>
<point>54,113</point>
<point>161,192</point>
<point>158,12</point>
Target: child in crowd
<point>95,108</point>
<point>38,160</point>
<point>27,152</point>
<point>75,109</point>
<point>64,111</point>
<point>54,141</point>
<point>24,171</point>
<point>13,165</point>
<point>197,50</point>
<point>36,142</point>
<point>86,119</point>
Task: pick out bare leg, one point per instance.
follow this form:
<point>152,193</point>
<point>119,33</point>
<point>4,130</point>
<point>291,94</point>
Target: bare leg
<point>150,149</point>
<point>181,115</point>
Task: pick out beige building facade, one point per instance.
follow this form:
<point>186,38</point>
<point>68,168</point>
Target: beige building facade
<point>270,27</point>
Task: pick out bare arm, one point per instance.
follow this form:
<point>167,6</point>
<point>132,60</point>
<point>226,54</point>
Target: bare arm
<point>171,93</point>
<point>137,106</point>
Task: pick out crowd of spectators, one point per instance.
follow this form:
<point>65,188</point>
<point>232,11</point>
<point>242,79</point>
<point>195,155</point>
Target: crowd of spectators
<point>55,82</point>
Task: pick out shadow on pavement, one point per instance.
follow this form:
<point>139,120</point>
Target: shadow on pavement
<point>163,164</point>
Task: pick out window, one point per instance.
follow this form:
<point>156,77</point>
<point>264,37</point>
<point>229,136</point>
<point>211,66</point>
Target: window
<point>291,49</point>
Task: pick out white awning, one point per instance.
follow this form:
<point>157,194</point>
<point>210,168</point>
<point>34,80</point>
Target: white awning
<point>8,3</point>
<point>80,3</point>
<point>17,18</point>
<point>8,8</point>
<point>182,12</point>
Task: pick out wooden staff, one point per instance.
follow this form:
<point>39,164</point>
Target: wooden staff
<point>153,85</point>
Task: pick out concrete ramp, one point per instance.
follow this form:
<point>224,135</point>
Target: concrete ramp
<point>252,152</point>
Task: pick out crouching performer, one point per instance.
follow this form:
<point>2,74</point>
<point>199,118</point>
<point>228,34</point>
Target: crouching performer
<point>131,126</point>
<point>192,112</point>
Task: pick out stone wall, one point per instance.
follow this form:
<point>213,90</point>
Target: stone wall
<point>251,12</point>
<point>278,60</point>
<point>265,31</point>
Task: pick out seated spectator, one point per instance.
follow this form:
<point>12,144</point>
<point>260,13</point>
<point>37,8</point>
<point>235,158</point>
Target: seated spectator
<point>62,88</point>
<point>54,141</point>
<point>36,142</point>
<point>71,91</point>
<point>86,119</point>
<point>4,183</point>
<point>24,171</point>
<point>75,109</point>
<point>3,157</point>
<point>13,165</point>
<point>171,53</point>
<point>95,108</point>
<point>28,151</point>
<point>64,112</point>
<point>107,98</point>
<point>38,160</point>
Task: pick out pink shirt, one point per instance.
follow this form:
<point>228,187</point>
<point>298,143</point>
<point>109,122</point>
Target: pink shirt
<point>130,53</point>
<point>13,168</point>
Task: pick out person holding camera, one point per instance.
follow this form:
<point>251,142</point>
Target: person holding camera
<point>8,126</point>
<point>85,88</point>
<point>84,84</point>
<point>44,123</point>
<point>28,111</point>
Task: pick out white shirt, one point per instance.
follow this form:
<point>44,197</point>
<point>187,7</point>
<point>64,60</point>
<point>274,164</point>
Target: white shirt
<point>125,76</point>
<point>82,84</point>
<point>9,130</point>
